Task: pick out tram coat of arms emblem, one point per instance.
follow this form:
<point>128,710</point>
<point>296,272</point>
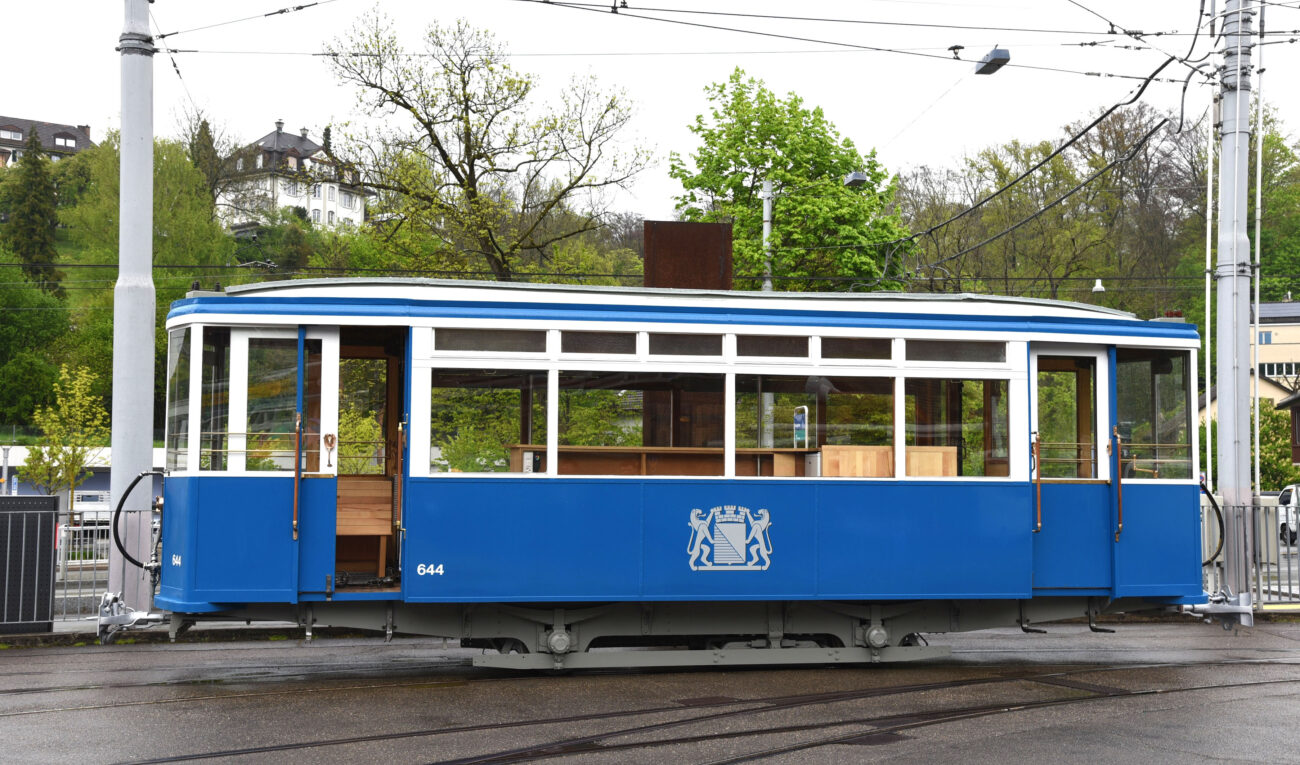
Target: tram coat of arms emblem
<point>730,538</point>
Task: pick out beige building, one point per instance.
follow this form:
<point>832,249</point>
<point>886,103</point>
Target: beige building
<point>1278,345</point>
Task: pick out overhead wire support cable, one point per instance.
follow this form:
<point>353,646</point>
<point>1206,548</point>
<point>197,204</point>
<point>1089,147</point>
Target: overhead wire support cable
<point>855,46</point>
<point>171,56</point>
<point>280,12</point>
<point>825,20</point>
<point>1118,160</point>
<point>1056,152</point>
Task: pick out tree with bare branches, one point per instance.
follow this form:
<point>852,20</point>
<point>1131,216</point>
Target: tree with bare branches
<point>459,149</point>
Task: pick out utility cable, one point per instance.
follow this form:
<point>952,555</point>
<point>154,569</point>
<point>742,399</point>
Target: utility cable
<point>1126,157</point>
<point>856,46</point>
<point>282,11</point>
<point>604,8</point>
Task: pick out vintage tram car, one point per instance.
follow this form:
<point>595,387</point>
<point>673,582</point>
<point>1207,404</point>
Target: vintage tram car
<point>744,477</point>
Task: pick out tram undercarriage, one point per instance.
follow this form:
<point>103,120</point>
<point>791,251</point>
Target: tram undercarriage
<point>584,635</point>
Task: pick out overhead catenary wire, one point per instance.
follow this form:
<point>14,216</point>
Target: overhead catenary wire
<point>1124,158</point>
<point>797,38</point>
<point>604,8</point>
<point>171,56</point>
<point>280,12</point>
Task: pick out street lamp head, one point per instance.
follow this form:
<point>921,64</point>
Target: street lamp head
<point>993,61</point>
<point>1097,286</point>
<point>855,179</point>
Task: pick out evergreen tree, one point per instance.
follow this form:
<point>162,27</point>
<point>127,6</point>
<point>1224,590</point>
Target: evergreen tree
<point>203,153</point>
<point>30,200</point>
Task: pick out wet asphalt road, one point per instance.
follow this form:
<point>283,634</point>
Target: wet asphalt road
<point>1149,693</point>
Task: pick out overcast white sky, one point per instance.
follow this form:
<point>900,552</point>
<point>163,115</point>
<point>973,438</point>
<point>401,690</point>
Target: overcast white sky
<point>914,110</point>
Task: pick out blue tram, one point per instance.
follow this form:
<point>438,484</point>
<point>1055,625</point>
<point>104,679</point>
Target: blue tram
<point>548,470</point>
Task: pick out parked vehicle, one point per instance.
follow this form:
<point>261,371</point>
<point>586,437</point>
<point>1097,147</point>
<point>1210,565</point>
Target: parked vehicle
<point>1287,501</point>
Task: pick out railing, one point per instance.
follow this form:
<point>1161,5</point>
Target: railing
<point>1156,460</point>
<point>1066,459</point>
<point>1274,559</point>
<point>81,570</point>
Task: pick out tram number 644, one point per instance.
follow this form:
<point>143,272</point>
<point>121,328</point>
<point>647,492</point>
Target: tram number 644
<point>429,569</point>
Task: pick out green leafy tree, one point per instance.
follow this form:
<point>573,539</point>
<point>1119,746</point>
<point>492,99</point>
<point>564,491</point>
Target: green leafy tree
<point>821,227</point>
<point>30,200</point>
<point>361,443</point>
<point>32,322</point>
<point>465,158</point>
<point>1275,467</point>
<point>598,418</point>
<point>73,429</point>
<point>187,243</point>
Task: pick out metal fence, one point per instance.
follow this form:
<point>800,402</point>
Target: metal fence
<point>52,571</point>
<point>81,570</point>
<point>1274,556</point>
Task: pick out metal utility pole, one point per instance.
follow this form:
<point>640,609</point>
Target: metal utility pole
<point>1232,275</point>
<point>133,310</point>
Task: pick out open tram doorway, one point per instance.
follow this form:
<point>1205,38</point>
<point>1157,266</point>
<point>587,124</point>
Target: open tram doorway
<point>1072,495</point>
<point>368,453</point>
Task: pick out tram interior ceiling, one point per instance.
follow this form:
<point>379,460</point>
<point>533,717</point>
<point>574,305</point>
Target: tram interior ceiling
<point>540,470</point>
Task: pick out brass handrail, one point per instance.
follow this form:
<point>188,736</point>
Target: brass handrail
<point>1038,486</point>
<point>297,468</point>
<point>1119,480</point>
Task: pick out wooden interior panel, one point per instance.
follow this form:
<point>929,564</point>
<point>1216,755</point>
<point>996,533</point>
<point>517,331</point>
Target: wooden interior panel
<point>864,461</point>
<point>932,460</point>
<point>365,508</point>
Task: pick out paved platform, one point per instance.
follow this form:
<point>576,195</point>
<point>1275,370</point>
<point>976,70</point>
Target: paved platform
<point>1151,692</point>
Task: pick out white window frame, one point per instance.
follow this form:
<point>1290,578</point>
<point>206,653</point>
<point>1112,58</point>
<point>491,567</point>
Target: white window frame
<point>329,406</point>
<point>424,359</point>
<point>1100,401</point>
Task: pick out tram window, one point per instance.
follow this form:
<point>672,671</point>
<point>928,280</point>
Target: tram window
<point>215,411</point>
<point>956,427</point>
<point>500,340</point>
<point>666,344</point>
<point>772,345</point>
<point>856,348</point>
<point>273,404</point>
<point>178,398</point>
<point>487,420</point>
<point>956,350</point>
<point>640,419</point>
<point>1154,413</point>
<point>1067,429</point>
<point>598,342</point>
<point>850,411</point>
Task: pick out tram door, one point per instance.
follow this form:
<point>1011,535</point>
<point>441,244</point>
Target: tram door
<point>368,456</point>
<point>1071,489</point>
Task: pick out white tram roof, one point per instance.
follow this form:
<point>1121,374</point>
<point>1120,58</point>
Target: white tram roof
<point>421,300</point>
<point>491,291</point>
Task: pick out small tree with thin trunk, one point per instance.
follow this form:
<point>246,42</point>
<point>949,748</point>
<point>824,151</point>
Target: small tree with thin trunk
<point>73,430</point>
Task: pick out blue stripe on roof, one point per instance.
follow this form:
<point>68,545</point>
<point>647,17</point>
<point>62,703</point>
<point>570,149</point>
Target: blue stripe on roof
<point>464,309</point>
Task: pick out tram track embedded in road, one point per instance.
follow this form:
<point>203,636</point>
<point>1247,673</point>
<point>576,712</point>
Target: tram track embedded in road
<point>722,707</point>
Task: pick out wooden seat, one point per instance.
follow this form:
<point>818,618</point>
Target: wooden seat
<point>864,461</point>
<point>365,508</point>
